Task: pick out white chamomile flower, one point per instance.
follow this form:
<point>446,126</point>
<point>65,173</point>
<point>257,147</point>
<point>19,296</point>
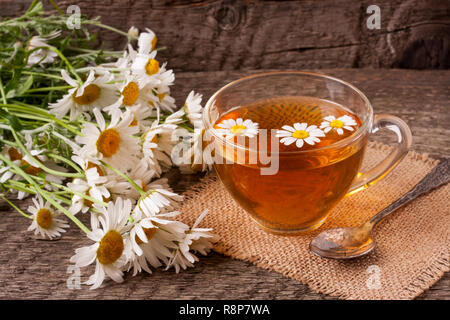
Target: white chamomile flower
<point>43,54</point>
<point>45,221</point>
<point>339,124</point>
<point>90,188</point>
<point>115,143</point>
<point>195,239</point>
<point>15,157</point>
<point>147,41</point>
<point>159,197</point>
<point>133,32</point>
<point>153,240</point>
<point>111,247</point>
<point>30,166</point>
<point>166,79</point>
<point>161,99</point>
<point>141,174</point>
<point>199,157</point>
<point>231,128</point>
<point>300,133</point>
<point>142,116</point>
<point>194,109</point>
<point>95,92</point>
<point>157,147</point>
<point>147,68</point>
<point>131,94</point>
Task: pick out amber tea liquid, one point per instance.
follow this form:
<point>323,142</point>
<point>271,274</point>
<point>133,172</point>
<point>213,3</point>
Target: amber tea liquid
<point>308,184</point>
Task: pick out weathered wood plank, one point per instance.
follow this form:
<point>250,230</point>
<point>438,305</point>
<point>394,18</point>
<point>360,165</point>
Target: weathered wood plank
<point>37,269</point>
<point>242,34</point>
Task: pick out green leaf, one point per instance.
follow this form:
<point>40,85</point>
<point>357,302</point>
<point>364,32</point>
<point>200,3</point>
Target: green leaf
<point>24,87</point>
<point>14,122</point>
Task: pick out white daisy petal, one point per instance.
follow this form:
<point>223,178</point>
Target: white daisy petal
<point>288,128</point>
<point>299,143</point>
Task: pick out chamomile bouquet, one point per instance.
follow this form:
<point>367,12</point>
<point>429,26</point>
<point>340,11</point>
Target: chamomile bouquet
<point>88,131</point>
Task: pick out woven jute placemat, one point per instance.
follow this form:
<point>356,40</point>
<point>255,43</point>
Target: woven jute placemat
<point>412,245</point>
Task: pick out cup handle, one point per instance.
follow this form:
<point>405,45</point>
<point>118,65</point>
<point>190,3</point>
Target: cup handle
<point>385,121</point>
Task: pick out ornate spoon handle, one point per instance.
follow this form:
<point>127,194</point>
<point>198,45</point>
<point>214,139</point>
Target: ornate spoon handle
<point>438,176</point>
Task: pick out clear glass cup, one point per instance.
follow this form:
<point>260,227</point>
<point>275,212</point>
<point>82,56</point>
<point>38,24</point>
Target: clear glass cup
<point>308,183</point>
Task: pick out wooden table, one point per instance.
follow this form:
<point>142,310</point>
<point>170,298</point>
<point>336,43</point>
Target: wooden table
<point>36,269</point>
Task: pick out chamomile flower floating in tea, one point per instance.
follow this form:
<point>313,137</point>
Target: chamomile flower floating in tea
<point>45,220</point>
<point>95,92</point>
<point>338,124</point>
<point>299,134</point>
<point>231,128</point>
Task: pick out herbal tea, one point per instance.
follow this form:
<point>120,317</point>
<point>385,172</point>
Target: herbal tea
<point>315,171</point>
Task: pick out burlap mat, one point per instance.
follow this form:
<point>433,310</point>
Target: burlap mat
<point>412,245</point>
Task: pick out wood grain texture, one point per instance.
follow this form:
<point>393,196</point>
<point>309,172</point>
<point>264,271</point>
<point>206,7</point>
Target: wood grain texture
<point>37,269</point>
<point>242,34</point>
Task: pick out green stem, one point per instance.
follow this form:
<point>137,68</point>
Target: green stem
<point>186,126</point>
<point>66,161</point>
<point>15,207</point>
<point>104,26</point>
<point>123,175</point>
<point>19,186</point>
<point>20,106</point>
<point>43,75</point>
<point>2,91</point>
<point>64,59</point>
<point>56,7</point>
<point>32,117</point>
<point>50,88</point>
<point>39,164</point>
<point>44,194</point>
<point>82,195</point>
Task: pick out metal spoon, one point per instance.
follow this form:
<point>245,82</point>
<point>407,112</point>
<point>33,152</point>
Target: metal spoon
<point>347,243</point>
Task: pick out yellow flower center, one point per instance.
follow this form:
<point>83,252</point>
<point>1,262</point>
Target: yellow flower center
<point>14,154</point>
<point>133,123</point>
<point>161,96</point>
<point>28,168</point>
<point>237,128</point>
<point>154,139</point>
<point>90,165</point>
<point>149,232</point>
<point>154,41</point>
<point>108,142</point>
<point>300,134</point>
<point>152,67</point>
<point>44,218</point>
<point>90,94</point>
<point>89,203</point>
<point>130,93</point>
<point>110,248</point>
<point>336,123</point>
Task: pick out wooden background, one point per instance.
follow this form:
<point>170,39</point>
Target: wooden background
<point>210,43</point>
<point>236,34</point>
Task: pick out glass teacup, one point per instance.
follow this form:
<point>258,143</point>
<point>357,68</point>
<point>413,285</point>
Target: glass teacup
<point>292,191</point>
